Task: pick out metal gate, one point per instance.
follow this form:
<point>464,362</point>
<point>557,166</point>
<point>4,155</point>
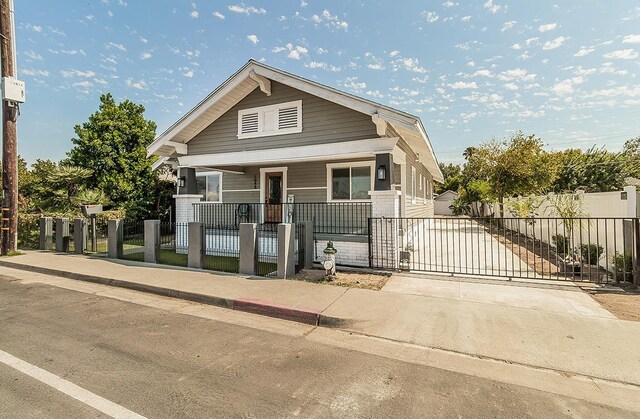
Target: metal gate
<point>574,249</point>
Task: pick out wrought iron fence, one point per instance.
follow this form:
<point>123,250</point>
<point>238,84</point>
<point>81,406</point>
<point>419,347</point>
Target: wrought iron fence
<point>575,249</point>
<point>299,246</point>
<point>222,249</point>
<point>227,215</point>
<point>266,256</point>
<point>133,240</point>
<point>174,244</point>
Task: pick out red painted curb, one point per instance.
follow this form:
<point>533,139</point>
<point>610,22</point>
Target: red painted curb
<point>273,310</point>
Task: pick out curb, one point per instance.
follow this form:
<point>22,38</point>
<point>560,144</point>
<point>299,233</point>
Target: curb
<point>264,308</point>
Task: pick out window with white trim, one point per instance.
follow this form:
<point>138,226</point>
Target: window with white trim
<point>413,184</point>
<point>283,118</point>
<point>349,181</point>
<point>210,186</point>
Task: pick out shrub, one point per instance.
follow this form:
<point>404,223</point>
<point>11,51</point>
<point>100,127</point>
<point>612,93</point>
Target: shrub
<point>28,231</point>
<point>591,253</point>
<point>459,207</point>
<point>561,243</point>
<point>622,266</point>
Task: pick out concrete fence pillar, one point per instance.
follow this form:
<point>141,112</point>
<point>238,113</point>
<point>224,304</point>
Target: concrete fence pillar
<point>197,245</point>
<point>248,237</point>
<point>385,239</point>
<point>115,233</point>
<point>79,235</point>
<point>62,234</point>
<point>46,233</point>
<point>308,244</point>
<point>151,241</point>
<point>286,251</point>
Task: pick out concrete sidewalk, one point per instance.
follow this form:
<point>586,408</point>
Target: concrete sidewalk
<point>494,322</point>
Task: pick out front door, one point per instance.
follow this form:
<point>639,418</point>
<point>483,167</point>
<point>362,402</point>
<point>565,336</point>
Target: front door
<point>273,197</point>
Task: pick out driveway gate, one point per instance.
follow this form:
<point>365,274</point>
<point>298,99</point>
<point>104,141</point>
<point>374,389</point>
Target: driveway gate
<point>574,249</point>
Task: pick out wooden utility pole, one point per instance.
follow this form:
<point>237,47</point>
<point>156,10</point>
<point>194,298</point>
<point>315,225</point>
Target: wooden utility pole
<point>9,137</point>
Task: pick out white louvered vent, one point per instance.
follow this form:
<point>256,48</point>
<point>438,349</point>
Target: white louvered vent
<point>288,117</point>
<point>249,123</point>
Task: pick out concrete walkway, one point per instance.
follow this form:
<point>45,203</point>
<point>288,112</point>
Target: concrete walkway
<point>543,327</point>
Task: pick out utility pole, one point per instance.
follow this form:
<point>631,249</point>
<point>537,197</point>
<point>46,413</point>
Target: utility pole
<point>9,136</point>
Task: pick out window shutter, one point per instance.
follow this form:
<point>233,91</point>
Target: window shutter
<point>288,117</point>
<point>249,123</point>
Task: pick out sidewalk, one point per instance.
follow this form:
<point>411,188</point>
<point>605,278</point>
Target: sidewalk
<point>557,336</point>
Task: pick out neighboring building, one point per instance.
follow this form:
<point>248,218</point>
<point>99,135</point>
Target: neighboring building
<point>442,202</point>
<point>268,138</point>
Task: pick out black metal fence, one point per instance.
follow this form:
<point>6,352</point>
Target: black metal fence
<point>222,249</point>
<point>133,240</point>
<point>575,249</point>
<point>328,217</point>
<point>299,246</point>
<point>266,256</point>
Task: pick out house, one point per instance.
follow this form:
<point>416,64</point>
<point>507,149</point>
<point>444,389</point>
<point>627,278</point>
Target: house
<point>268,146</point>
<point>442,202</point>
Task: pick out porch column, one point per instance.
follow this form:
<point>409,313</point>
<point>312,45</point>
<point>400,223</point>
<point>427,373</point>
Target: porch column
<point>384,229</point>
<point>384,165</point>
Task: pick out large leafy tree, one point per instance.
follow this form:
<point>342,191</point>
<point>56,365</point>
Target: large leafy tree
<point>452,178</point>
<point>631,154</point>
<point>112,143</point>
<point>517,166</point>
<point>595,170</point>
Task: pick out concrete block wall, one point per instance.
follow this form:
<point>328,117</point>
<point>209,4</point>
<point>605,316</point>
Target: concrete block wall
<point>349,253</point>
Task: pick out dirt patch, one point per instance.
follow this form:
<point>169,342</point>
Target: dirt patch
<point>623,306</point>
<point>344,279</point>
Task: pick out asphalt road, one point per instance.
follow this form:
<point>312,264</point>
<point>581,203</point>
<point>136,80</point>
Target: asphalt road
<point>158,363</point>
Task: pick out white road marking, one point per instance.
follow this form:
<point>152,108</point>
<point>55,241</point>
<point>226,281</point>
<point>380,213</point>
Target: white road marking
<point>85,396</point>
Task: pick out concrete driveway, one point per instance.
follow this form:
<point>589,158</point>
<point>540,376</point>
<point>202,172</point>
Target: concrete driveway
<point>563,299</point>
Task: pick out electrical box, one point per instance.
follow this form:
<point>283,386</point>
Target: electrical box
<point>13,90</point>
<point>91,209</point>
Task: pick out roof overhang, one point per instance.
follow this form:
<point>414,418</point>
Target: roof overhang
<point>319,152</point>
<point>257,75</point>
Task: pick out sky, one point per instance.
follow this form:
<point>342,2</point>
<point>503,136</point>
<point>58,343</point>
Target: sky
<point>566,71</point>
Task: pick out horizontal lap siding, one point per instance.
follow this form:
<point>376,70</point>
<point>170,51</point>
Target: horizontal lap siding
<point>420,209</point>
<point>322,122</point>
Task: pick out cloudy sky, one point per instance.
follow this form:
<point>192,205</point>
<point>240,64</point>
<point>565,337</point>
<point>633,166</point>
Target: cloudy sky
<point>472,70</point>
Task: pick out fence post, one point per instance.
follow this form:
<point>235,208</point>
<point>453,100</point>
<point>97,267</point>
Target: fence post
<point>46,233</point>
<point>79,235</point>
<point>308,244</point>
<point>248,237</point>
<point>62,234</point>
<point>115,238</point>
<point>151,241</point>
<point>286,251</point>
<point>197,247</point>
<point>636,252</point>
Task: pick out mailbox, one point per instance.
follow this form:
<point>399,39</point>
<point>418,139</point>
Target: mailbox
<point>91,209</point>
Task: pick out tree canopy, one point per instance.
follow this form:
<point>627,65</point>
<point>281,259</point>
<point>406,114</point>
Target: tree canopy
<point>594,170</point>
<point>112,143</point>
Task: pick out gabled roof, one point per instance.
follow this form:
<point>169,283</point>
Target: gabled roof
<point>253,75</point>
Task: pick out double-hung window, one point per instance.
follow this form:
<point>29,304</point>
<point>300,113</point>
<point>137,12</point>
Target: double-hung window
<point>282,118</point>
<point>210,186</point>
<point>349,181</point>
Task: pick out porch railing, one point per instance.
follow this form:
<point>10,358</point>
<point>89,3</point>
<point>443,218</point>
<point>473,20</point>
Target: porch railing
<point>328,217</point>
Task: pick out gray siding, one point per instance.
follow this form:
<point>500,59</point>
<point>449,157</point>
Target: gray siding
<point>322,122</point>
<point>422,208</point>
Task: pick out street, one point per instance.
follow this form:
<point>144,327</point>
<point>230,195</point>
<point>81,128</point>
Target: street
<point>158,362</point>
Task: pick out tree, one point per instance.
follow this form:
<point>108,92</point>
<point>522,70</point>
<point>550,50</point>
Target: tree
<point>452,178</point>
<point>69,180</point>
<point>113,143</point>
<point>631,154</point>
<point>595,170</point>
<point>517,166</point>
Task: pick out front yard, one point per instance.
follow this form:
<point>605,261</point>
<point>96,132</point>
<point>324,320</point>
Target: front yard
<point>624,306</point>
<point>344,279</point>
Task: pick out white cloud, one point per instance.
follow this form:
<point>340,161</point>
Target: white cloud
<point>584,51</point>
<point>547,27</point>
<point>394,53</point>
<point>247,10</point>
<point>145,55</point>
<point>116,46</point>
<point>194,14</point>
<point>409,64</point>
<point>463,85</point>
<point>77,73</point>
<point>84,84</point>
<point>375,66</point>
<point>622,54</point>
<point>490,6</point>
<point>34,28</point>
<point>465,18</point>
<point>530,41</point>
<point>330,21</point>
<point>303,3</point>
<point>516,74</point>
<point>355,85</point>
<point>430,16</point>
<point>187,72</point>
<point>322,65</point>
<point>516,46</point>
<point>33,55</point>
<point>30,72</point>
<point>218,15</point>
<point>631,39</point>
<point>278,49</point>
<point>508,25</point>
<point>375,93</point>
<point>511,86</point>
<point>556,43</point>
<point>253,38</point>
<point>449,4</point>
<point>140,85</point>
<point>483,73</point>
<point>295,52</point>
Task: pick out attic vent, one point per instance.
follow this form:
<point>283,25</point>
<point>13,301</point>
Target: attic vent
<point>288,117</point>
<point>278,119</point>
<point>249,123</point>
